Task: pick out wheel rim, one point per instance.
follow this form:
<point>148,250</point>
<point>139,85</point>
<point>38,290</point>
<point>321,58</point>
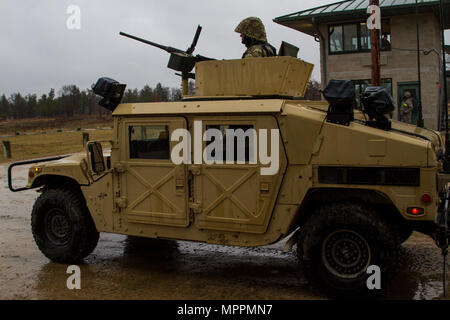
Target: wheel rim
<point>57,227</point>
<point>346,254</point>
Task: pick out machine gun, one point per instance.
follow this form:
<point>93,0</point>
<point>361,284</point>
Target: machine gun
<point>183,61</point>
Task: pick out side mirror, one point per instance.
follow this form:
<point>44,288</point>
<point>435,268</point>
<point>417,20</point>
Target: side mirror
<point>96,157</point>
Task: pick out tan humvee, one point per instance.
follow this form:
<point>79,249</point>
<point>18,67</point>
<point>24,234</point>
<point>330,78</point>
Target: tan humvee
<point>355,192</point>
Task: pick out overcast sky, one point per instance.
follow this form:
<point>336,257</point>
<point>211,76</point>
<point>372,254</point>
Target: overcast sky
<point>39,52</point>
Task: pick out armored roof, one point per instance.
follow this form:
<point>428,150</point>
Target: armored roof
<point>304,21</point>
<point>200,107</point>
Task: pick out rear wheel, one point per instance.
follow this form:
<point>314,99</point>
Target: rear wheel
<point>340,242</point>
<point>62,226</point>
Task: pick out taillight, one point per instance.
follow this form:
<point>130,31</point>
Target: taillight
<point>415,211</point>
<point>426,198</point>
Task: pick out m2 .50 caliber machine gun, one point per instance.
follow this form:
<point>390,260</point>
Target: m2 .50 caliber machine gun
<point>183,61</point>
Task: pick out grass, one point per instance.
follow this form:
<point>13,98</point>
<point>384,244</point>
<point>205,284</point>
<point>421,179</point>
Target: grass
<point>24,147</point>
<point>10,127</point>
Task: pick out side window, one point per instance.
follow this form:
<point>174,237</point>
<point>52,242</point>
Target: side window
<point>365,36</point>
<point>149,142</point>
<point>350,37</point>
<point>237,143</point>
<point>335,37</point>
<point>386,35</point>
<point>355,37</point>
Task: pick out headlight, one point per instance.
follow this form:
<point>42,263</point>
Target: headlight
<point>34,172</point>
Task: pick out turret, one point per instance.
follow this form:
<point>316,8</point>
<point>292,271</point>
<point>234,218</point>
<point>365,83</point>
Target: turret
<point>281,76</point>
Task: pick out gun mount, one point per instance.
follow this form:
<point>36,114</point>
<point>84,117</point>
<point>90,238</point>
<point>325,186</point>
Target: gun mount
<point>281,76</point>
<point>182,61</point>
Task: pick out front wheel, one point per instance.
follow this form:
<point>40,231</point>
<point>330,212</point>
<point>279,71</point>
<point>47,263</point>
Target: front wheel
<point>62,226</point>
<point>340,242</point>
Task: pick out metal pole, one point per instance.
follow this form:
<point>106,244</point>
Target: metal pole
<point>445,102</point>
<point>6,149</point>
<point>375,50</point>
<point>184,85</point>
<point>420,122</point>
<point>85,138</point>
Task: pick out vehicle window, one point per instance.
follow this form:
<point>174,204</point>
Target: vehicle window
<point>149,142</point>
<point>240,142</point>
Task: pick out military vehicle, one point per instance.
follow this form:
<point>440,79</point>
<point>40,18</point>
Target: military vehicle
<point>347,189</point>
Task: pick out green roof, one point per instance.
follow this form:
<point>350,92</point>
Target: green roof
<point>354,9</point>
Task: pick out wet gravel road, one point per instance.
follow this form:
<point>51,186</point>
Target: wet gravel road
<point>131,268</point>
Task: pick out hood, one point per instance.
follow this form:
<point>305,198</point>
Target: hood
<point>434,137</point>
<point>431,135</point>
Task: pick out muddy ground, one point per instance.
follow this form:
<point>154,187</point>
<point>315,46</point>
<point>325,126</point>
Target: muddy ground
<point>131,268</point>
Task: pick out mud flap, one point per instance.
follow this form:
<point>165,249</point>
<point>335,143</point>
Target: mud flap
<point>291,241</point>
<point>442,235</point>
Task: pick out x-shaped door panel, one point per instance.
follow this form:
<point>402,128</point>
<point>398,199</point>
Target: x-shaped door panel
<point>153,189</point>
<point>236,197</point>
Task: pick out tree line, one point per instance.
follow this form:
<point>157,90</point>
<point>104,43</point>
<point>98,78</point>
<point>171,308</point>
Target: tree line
<point>71,101</point>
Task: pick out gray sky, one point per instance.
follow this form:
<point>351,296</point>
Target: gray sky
<point>39,52</point>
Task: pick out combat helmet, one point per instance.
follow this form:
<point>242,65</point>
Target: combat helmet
<point>253,28</point>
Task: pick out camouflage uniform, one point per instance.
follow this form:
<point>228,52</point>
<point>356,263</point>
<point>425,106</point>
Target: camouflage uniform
<point>255,38</point>
<point>259,50</point>
<point>406,107</point>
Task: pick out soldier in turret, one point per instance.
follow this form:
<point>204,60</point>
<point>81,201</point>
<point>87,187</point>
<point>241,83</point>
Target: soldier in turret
<point>253,35</point>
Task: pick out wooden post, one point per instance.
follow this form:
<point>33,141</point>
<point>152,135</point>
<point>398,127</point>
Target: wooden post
<point>85,138</point>
<point>375,45</point>
<point>6,149</point>
<point>420,122</point>
<point>444,78</point>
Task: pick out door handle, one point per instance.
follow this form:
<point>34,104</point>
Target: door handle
<point>264,187</point>
<point>179,185</point>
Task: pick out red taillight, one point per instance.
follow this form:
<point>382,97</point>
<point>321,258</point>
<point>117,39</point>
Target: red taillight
<point>415,211</point>
<point>426,198</point>
<point>31,174</point>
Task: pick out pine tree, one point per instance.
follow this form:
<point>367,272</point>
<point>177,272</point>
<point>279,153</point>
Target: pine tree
<point>5,108</point>
<point>146,94</point>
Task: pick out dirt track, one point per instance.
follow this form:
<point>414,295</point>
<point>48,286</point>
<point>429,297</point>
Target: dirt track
<point>131,268</point>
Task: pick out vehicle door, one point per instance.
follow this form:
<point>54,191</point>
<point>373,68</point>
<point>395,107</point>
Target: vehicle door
<point>237,197</point>
<point>153,190</point>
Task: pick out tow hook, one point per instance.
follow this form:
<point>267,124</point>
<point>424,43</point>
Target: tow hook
<point>442,234</point>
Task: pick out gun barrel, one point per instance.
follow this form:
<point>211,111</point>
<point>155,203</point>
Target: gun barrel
<point>194,42</point>
<point>154,44</point>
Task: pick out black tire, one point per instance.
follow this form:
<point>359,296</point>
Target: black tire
<point>339,242</point>
<point>62,226</point>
